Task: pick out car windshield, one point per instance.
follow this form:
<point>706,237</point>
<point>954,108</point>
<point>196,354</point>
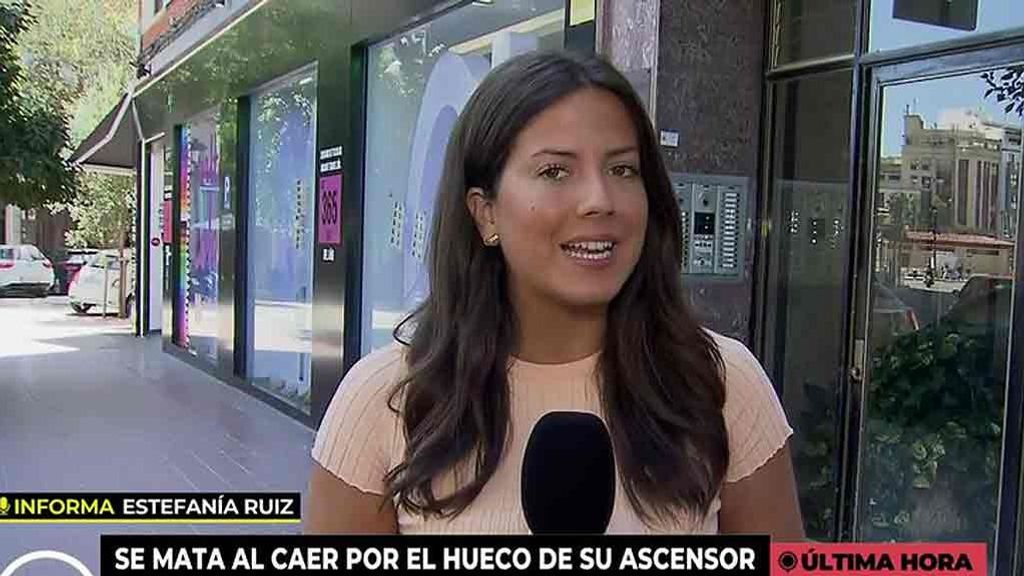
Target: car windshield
<point>101,260</point>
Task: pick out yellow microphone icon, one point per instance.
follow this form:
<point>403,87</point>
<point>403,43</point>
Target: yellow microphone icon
<point>5,506</point>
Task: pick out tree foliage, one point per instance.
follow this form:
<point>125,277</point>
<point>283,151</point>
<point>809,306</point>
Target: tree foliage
<point>934,430</point>
<point>78,58</point>
<point>1007,86</point>
<point>33,134</point>
<point>104,211</point>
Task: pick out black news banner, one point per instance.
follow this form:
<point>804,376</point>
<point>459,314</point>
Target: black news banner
<point>307,555</point>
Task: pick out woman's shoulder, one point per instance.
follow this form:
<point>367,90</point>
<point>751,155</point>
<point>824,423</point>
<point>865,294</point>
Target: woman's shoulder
<point>754,416</point>
<point>744,377</point>
<point>379,369</point>
<point>365,391</point>
<point>740,364</point>
<point>357,436</point>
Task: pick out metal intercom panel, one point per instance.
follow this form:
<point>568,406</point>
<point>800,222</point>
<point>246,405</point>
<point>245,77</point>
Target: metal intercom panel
<point>714,223</point>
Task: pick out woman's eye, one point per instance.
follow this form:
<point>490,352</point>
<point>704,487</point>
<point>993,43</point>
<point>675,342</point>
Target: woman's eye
<point>554,173</point>
<point>624,171</point>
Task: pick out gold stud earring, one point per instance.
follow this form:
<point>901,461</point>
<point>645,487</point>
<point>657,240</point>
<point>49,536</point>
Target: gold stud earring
<point>492,240</point>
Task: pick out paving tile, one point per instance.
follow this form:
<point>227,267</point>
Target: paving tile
<point>112,412</point>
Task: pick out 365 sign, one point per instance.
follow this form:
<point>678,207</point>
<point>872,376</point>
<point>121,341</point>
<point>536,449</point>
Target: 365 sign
<point>330,210</point>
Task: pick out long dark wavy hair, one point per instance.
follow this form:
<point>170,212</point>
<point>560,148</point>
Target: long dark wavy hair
<point>660,373</point>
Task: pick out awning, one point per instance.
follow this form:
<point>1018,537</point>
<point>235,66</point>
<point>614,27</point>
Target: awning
<point>110,147</point>
<point>957,239</point>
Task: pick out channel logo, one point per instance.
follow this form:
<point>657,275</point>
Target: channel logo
<point>788,561</point>
<point>12,568</point>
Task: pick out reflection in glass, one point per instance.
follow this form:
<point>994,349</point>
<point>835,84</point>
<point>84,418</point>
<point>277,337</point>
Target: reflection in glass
<point>280,243</point>
<point>200,205</point>
<point>808,260</point>
<point>807,29</point>
<point>947,192</point>
<point>167,244</point>
<point>418,83</point>
<point>903,23</point>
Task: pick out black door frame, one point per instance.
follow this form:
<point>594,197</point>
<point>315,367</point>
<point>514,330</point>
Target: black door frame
<point>879,73</point>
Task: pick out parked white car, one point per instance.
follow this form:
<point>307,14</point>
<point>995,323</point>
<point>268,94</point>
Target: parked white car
<point>24,269</point>
<point>86,289</point>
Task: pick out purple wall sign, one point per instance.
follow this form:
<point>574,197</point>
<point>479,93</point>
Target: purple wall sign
<point>330,209</point>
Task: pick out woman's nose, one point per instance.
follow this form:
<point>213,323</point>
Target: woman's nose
<point>595,196</point>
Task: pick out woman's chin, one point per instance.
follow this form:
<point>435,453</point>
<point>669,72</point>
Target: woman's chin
<point>589,299</point>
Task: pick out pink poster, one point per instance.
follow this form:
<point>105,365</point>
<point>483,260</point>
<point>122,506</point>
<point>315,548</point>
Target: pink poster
<point>166,218</point>
<point>330,209</point>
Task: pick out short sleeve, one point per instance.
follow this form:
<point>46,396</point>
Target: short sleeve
<point>754,418</point>
<point>356,438</point>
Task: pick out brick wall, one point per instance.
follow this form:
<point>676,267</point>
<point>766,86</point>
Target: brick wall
<point>163,21</point>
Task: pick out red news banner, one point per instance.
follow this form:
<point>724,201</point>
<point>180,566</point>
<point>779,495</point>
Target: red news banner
<point>863,559</point>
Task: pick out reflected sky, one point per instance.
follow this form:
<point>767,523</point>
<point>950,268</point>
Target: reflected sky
<point>888,33</point>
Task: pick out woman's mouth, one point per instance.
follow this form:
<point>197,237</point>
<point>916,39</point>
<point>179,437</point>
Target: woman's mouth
<point>594,251</point>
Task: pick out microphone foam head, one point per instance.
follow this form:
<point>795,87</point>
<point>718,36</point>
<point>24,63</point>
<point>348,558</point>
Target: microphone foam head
<point>568,476</point>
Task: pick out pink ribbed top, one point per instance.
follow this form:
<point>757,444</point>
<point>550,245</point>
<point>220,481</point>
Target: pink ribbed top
<point>360,439</point>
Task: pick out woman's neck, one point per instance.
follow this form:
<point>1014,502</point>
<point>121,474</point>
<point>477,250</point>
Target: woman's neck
<point>550,333</point>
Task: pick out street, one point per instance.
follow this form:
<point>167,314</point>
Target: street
<point>86,406</point>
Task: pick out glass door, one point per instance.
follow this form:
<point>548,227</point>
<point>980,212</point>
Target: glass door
<point>200,250</point>
<point>808,261</point>
<point>945,199</point>
<point>279,302</point>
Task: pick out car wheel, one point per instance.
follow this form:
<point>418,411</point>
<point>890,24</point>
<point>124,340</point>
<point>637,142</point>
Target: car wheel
<point>81,308</point>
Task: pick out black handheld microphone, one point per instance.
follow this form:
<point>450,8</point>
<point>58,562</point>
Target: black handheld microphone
<point>568,480</point>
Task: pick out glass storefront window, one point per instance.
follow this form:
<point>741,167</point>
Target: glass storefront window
<point>946,199</point>
<point>200,209</point>
<point>279,303</point>
<point>418,83</point>
<point>167,244</point>
<point>158,215</point>
<point>808,29</point>
<point>582,11</point>
<point>809,258</point>
<point>902,23</point>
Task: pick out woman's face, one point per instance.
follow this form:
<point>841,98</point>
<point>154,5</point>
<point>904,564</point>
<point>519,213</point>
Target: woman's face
<point>570,208</point>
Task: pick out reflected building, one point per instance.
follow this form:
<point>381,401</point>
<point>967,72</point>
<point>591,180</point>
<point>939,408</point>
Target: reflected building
<point>966,168</point>
<point>898,201</point>
<point>957,256</point>
<point>948,202</point>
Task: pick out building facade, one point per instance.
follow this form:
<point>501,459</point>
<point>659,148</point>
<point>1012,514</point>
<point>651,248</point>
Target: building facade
<point>863,157</point>
<point>40,228</point>
<point>247,110</point>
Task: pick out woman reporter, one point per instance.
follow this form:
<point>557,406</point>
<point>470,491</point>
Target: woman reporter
<point>554,285</point>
